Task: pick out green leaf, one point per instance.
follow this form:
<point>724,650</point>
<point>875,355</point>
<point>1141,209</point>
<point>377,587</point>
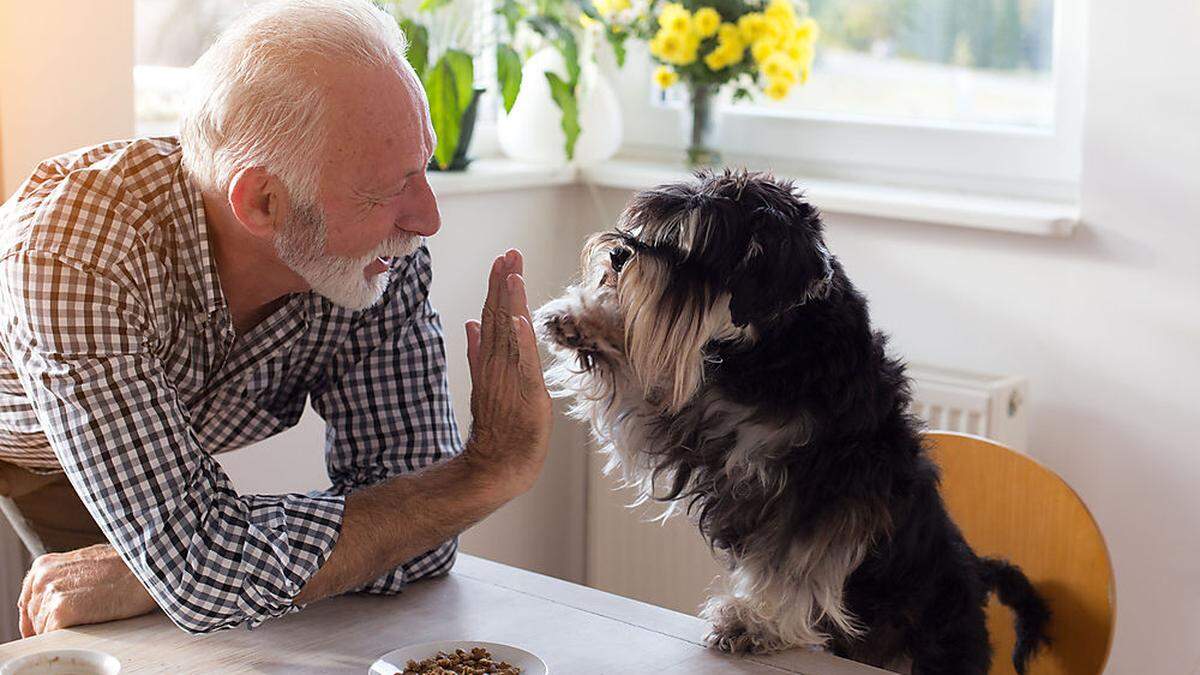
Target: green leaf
<point>418,45</point>
<point>430,5</point>
<point>444,110</point>
<point>570,52</point>
<point>564,95</point>
<point>464,75</point>
<point>587,8</point>
<point>617,40</point>
<point>450,88</point>
<point>513,12</point>
<point>508,74</point>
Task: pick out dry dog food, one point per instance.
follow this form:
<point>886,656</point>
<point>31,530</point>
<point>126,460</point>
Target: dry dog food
<point>478,661</point>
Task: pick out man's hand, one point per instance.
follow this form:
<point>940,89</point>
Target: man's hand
<point>89,585</point>
<point>510,406</point>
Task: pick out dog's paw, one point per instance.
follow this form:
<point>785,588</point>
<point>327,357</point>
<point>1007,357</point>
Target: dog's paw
<point>735,638</point>
<point>563,329</point>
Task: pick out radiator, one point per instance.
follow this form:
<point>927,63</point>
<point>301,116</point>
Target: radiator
<point>668,564</point>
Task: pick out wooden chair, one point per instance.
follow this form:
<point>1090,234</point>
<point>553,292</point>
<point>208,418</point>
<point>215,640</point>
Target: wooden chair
<point>1009,506</point>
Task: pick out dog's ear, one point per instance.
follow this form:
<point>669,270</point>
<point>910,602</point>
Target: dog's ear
<point>784,264</point>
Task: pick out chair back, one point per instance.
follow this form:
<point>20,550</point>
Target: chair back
<point>1009,506</point>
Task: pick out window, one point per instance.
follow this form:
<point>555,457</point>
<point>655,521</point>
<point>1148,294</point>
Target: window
<point>949,61</point>
<point>169,35</point>
<point>982,96</point>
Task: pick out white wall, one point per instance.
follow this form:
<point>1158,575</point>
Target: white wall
<point>66,80</point>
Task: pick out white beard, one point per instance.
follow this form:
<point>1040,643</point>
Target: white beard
<point>300,244</point>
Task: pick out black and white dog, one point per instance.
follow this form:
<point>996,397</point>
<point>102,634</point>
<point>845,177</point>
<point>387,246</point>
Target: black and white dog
<point>728,367</point>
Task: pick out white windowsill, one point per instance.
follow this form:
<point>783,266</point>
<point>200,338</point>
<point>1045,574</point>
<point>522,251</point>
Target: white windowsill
<point>922,205</point>
<point>495,175</point>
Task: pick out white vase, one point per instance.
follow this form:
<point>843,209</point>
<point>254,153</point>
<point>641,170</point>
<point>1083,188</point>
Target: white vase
<point>532,130</point>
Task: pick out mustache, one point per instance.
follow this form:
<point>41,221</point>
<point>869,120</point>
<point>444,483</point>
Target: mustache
<point>400,246</point>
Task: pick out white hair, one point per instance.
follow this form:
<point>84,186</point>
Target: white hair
<point>254,100</point>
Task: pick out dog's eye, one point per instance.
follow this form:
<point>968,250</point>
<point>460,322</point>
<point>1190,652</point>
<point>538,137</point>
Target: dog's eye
<point>619,256</point>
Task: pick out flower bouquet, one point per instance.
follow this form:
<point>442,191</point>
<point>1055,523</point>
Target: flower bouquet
<point>753,46</point>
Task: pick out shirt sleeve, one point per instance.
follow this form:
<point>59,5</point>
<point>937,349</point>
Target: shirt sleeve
<point>86,352</point>
<point>386,403</point>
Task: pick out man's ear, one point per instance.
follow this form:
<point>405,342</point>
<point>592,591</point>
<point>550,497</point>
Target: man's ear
<point>257,198</point>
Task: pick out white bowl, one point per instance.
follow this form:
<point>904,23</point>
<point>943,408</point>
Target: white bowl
<point>394,661</point>
<point>63,662</point>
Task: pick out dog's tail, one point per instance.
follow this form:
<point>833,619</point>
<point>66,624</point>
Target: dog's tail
<point>1033,615</point>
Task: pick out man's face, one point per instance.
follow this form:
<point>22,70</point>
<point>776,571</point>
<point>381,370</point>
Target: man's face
<point>374,199</point>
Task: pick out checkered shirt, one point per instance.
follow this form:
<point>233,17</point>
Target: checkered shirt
<point>120,366</point>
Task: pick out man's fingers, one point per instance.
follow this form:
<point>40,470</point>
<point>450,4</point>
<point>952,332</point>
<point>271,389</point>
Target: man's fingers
<point>517,261</point>
<point>531,360</point>
<point>518,296</point>
<point>473,339</point>
<point>511,259</point>
<point>491,303</point>
<point>23,605</point>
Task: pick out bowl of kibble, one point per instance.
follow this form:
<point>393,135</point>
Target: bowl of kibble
<point>459,657</point>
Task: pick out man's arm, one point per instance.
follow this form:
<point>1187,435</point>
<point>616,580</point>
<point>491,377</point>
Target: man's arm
<point>381,525</point>
<point>85,349</point>
<point>385,398</point>
<point>389,523</point>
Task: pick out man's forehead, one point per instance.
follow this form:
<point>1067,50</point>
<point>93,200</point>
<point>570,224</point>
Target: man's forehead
<point>379,125</point>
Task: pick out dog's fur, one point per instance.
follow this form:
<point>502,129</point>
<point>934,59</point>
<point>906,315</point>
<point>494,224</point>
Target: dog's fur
<point>728,366</point>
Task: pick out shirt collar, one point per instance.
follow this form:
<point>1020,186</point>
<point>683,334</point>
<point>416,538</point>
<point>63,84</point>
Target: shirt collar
<point>194,244</point>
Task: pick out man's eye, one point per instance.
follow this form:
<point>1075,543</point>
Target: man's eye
<point>618,257</point>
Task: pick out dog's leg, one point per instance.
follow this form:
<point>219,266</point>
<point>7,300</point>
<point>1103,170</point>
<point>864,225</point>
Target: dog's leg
<point>735,629</point>
<point>759,611</point>
<point>951,645</point>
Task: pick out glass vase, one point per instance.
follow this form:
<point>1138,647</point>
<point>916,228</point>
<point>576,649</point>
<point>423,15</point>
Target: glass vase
<point>700,125</point>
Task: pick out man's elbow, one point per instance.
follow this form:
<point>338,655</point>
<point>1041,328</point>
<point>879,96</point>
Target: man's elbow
<point>435,563</point>
<point>194,618</point>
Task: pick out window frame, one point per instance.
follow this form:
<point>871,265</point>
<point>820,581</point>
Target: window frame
<point>1041,163</point>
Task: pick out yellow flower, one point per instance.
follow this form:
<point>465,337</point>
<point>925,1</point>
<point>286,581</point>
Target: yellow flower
<point>781,10</point>
<point>733,52</point>
<point>665,77</point>
<point>675,48</point>
<point>670,46</point>
<point>805,70</point>
<point>751,26</point>
<point>587,21</point>
<point>800,52</point>
<point>691,48</point>
<point>776,29</point>
<point>729,33</point>
<point>656,47</point>
<point>778,66</point>
<point>715,60</point>
<point>706,21</point>
<point>762,49</point>
<point>676,19</point>
<point>808,30</point>
<point>607,8</point>
<point>776,89</point>
<point>724,55</point>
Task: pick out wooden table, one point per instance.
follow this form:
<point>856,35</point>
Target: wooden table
<point>575,629</point>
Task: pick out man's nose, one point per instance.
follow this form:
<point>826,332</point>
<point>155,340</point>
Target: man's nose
<point>423,217</point>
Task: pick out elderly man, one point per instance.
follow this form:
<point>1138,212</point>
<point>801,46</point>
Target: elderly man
<point>164,300</point>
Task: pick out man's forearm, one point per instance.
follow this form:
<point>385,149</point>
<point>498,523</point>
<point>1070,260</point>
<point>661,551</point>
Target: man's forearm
<point>387,524</point>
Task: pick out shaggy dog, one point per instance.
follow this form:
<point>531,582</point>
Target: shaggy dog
<point>728,367</point>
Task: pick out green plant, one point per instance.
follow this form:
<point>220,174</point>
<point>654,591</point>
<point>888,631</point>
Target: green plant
<point>559,24</point>
<point>449,83</point>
